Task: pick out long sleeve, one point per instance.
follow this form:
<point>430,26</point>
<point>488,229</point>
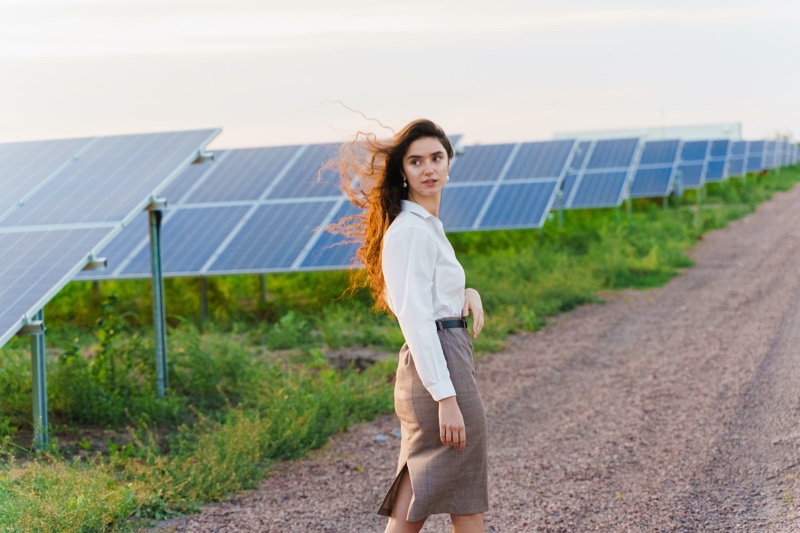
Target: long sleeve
<point>409,261</point>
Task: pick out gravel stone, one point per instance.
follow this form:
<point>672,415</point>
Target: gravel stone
<point>675,409</point>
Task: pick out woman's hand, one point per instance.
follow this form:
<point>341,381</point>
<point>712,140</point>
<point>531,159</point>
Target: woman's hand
<point>472,302</point>
<point>451,424</point>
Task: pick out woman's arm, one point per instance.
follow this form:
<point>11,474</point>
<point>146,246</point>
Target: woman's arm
<point>472,303</point>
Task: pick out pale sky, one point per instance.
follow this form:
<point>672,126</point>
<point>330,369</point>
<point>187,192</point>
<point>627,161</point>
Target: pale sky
<point>270,72</point>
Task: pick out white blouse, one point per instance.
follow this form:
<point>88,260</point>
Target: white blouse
<point>424,282</point>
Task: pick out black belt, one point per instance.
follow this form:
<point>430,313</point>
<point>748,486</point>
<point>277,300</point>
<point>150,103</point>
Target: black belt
<point>448,324</point>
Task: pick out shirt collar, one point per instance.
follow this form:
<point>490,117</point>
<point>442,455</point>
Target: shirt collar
<point>408,205</point>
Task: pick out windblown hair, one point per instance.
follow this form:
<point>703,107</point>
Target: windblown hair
<point>371,175</point>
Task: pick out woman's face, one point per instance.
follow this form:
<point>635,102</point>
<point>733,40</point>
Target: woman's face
<point>425,167</point>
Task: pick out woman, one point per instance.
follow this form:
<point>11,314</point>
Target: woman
<point>413,272</point>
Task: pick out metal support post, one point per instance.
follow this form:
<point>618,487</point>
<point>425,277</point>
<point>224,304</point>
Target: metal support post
<point>263,287</point>
<point>38,374</point>
<point>560,197</point>
<point>203,299</point>
<point>159,308</point>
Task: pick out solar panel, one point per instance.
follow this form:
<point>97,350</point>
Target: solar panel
<point>303,178</point>
<point>601,181</point>
<point>717,163</point>
<point>79,208</point>
<point>191,236</point>
<point>26,166</point>
<point>246,174</point>
<point>519,205</point>
<point>273,238</point>
<point>657,169</point>
<point>461,206</point>
<point>755,156</point>
<point>481,163</point>
<point>331,251</point>
<point>737,158</point>
<point>692,165</point>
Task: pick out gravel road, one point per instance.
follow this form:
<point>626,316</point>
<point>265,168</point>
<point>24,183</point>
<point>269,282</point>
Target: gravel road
<point>676,409</point>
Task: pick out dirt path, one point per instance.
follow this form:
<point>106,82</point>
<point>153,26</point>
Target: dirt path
<point>675,409</point>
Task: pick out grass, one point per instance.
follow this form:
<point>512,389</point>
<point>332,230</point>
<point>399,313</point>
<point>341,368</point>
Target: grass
<point>253,385</point>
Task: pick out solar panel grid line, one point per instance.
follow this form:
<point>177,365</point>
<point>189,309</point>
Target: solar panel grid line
<point>253,209</point>
<point>496,185</point>
<point>54,175</point>
<point>318,232</point>
<point>580,173</point>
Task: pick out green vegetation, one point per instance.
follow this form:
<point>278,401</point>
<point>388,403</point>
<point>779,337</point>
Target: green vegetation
<point>253,385</point>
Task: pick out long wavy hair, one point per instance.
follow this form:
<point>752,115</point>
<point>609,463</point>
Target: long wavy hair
<point>371,175</point>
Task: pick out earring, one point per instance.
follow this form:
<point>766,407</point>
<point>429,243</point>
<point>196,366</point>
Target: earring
<point>405,183</point>
<point>447,178</point>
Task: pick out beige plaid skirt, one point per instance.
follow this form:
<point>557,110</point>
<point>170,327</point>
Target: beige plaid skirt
<point>443,479</point>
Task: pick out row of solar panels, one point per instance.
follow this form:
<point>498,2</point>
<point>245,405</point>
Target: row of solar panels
<point>264,210</point>
<point>62,201</point>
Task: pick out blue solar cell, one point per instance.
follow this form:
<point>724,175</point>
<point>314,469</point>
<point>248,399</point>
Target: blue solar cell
<point>650,182</point>
<point>736,166</point>
<point>480,163</point>
<point>580,156</point>
<point>694,151</point>
<point>691,175</point>
<point>273,237</point>
<point>519,205</point>
<point>24,166</point>
<point>656,152</point>
<point>738,148</point>
<point>305,178</point>
<point>461,206</point>
<point>600,189</point>
<point>613,153</point>
<point>243,174</point>
<point>96,188</point>
<point>715,171</point>
<point>34,266</point>
<point>540,160</point>
<point>755,163</point>
<point>332,250</point>
<point>719,148</point>
<point>189,237</point>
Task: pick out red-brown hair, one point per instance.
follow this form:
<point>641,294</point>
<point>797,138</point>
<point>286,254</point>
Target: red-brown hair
<point>371,172</point>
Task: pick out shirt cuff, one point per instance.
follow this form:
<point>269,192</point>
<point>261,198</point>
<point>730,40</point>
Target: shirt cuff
<point>442,390</point>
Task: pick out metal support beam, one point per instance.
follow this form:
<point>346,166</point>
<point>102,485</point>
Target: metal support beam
<point>203,300</point>
<point>159,308</point>
<point>39,376</point>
